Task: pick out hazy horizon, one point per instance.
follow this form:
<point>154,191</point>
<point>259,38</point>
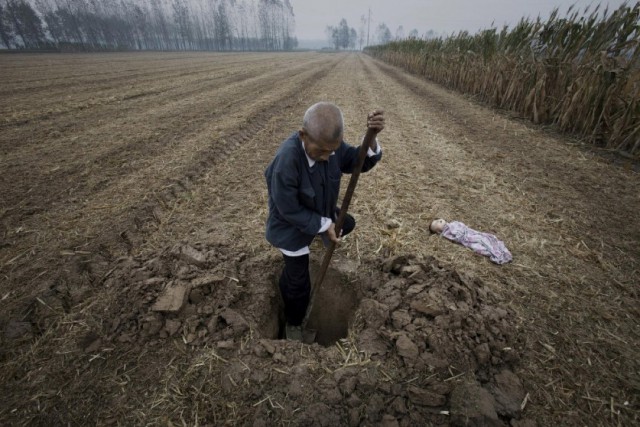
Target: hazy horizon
<point>440,16</point>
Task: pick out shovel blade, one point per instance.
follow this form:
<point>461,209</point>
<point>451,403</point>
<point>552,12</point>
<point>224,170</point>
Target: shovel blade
<point>309,336</point>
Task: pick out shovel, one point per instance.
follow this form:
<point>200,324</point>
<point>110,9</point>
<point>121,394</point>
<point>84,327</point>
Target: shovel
<point>309,335</point>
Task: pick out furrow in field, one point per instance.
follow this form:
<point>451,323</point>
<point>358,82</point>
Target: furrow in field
<point>17,69</point>
<point>116,147</point>
<point>231,196</point>
<point>32,107</point>
<point>95,217</point>
<point>108,77</point>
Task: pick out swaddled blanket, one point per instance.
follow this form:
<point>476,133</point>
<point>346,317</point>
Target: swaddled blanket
<point>483,243</point>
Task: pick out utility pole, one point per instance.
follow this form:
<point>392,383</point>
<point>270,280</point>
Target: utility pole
<point>368,26</point>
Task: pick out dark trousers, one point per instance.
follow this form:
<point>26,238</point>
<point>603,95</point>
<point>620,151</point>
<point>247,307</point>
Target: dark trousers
<point>295,282</point>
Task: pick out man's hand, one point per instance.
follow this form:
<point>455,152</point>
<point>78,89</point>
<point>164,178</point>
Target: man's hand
<point>375,120</point>
<point>331,233</point>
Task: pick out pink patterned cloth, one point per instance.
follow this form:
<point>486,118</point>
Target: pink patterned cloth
<point>483,243</point>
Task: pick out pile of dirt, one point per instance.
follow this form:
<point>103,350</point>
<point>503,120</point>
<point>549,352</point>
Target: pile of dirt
<point>198,294</point>
<point>404,340</point>
<point>421,344</point>
<point>445,330</point>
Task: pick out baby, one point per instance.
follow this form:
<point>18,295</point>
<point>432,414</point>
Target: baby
<point>437,225</point>
<point>482,243</point>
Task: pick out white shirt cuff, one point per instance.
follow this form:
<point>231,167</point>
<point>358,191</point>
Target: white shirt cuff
<point>324,224</point>
<point>299,252</point>
<point>371,153</point>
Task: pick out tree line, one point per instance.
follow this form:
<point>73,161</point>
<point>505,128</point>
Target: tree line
<point>94,25</point>
<point>344,37</point>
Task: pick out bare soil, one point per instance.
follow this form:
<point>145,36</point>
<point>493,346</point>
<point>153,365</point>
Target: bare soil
<point>136,286</point>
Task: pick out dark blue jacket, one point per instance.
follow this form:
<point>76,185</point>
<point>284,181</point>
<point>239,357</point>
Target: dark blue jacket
<point>299,195</point>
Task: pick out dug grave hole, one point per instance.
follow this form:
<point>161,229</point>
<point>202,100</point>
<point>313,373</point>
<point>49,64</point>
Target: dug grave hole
<point>336,303</point>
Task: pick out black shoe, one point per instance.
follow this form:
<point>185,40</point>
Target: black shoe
<point>292,332</point>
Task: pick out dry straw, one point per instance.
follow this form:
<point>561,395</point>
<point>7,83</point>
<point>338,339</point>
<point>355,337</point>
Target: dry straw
<point>581,72</point>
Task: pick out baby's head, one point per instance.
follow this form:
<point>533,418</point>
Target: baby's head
<point>437,225</point>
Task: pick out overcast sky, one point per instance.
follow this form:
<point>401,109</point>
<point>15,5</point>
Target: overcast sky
<point>441,16</point>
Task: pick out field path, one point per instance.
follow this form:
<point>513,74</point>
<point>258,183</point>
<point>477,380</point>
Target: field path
<point>119,155</point>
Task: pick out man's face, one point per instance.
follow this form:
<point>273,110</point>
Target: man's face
<point>319,150</point>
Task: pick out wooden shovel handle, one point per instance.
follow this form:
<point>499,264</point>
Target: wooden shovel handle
<point>362,154</point>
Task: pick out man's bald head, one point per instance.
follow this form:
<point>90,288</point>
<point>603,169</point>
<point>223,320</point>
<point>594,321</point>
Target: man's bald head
<point>323,122</point>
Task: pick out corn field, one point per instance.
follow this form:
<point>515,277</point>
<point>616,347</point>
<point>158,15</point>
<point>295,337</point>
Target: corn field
<point>580,72</point>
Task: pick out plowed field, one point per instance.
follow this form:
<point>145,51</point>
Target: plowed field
<point>136,286</point>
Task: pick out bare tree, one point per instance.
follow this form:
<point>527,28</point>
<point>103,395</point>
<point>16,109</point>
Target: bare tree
<point>6,30</point>
<point>353,38</point>
<point>182,22</point>
<point>148,24</point>
<point>342,36</point>
<point>161,25</point>
<point>383,33</point>
<point>223,27</point>
<point>25,23</point>
<point>288,27</point>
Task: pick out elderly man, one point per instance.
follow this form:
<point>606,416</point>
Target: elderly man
<point>303,180</point>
